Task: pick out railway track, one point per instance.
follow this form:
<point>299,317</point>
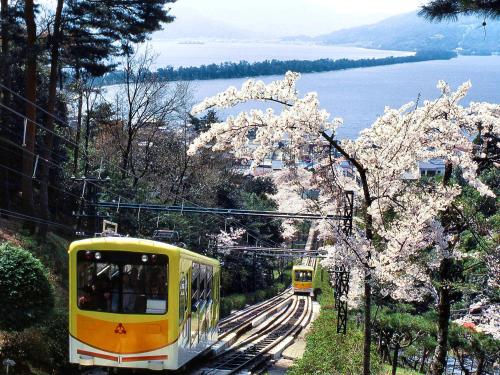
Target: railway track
<point>251,337</point>
<point>241,320</point>
<point>258,346</point>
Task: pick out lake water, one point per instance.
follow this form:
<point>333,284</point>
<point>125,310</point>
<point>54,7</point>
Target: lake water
<point>176,53</point>
<point>360,95</point>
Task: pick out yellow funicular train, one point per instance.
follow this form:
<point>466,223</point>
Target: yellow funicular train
<point>138,303</point>
<point>302,279</point>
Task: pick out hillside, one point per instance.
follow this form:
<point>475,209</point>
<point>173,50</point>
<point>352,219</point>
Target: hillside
<point>409,32</point>
<point>194,25</point>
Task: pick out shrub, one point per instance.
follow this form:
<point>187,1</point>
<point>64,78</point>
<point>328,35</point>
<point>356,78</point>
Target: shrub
<point>25,292</point>
<point>56,332</point>
<point>24,347</point>
<point>44,347</point>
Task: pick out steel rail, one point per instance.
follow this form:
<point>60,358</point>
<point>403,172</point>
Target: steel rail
<point>244,319</point>
<point>253,350</point>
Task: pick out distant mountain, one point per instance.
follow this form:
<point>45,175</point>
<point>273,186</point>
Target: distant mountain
<point>409,32</point>
<point>192,25</point>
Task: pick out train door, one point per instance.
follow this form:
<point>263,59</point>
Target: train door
<point>206,285</point>
<point>215,302</point>
<point>209,293</point>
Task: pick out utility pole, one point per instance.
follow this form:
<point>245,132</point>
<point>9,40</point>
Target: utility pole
<point>341,273</point>
<point>88,216</point>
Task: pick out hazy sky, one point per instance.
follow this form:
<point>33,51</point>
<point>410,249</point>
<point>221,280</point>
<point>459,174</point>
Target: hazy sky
<point>294,17</point>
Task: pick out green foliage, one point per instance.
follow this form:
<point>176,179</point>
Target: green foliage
<point>450,9</point>
<point>51,251</point>
<point>477,345</point>
<point>402,322</point>
<point>26,294</point>
<point>44,348</point>
<point>387,369</point>
<point>328,352</point>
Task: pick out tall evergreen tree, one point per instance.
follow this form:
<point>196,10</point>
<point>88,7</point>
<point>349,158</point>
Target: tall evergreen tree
<point>30,107</point>
<point>132,21</point>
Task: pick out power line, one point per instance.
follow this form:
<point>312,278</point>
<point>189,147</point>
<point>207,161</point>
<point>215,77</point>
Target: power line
<point>36,105</point>
<point>19,215</point>
<point>221,211</point>
<point>38,124</point>
<point>49,185</point>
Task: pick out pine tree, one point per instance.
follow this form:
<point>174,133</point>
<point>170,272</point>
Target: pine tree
<point>451,9</point>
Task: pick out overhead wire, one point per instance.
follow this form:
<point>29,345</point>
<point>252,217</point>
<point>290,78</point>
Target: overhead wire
<point>20,215</point>
<point>30,102</point>
<point>49,185</point>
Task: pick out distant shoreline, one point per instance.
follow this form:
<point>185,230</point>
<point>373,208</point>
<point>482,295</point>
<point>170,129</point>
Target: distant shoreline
<point>244,69</point>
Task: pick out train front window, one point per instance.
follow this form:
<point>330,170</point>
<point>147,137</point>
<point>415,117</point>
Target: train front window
<point>122,282</point>
<point>303,276</point>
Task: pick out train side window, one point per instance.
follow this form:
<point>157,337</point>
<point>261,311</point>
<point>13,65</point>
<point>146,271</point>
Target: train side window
<point>208,291</point>
<point>182,297</point>
<point>195,277</point>
<point>203,283</point>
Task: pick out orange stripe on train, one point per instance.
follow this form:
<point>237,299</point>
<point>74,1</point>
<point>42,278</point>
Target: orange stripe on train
<point>126,338</point>
<point>306,285</point>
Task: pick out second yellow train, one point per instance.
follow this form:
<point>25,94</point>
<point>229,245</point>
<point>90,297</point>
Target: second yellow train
<point>302,279</point>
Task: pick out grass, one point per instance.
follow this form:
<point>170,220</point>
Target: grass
<point>387,370</point>
<point>328,352</point>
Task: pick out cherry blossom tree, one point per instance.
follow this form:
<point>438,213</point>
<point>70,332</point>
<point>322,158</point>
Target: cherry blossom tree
<point>226,239</point>
<point>398,213</point>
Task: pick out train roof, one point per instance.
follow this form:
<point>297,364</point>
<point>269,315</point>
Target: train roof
<point>99,241</point>
<point>302,268</point>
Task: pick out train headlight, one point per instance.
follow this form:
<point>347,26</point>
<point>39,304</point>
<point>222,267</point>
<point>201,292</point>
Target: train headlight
<point>97,255</point>
<point>144,258</point>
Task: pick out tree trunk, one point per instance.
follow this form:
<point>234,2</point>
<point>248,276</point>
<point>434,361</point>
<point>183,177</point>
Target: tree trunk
<point>461,362</point>
<point>87,138</point>
<point>78,122</point>
<point>422,363</point>
<point>5,99</point>
<point>438,364</point>
<point>368,325</point>
<point>395,360</point>
<point>30,93</point>
<point>49,122</point>
<point>125,157</point>
<point>480,364</point>
<point>369,236</point>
